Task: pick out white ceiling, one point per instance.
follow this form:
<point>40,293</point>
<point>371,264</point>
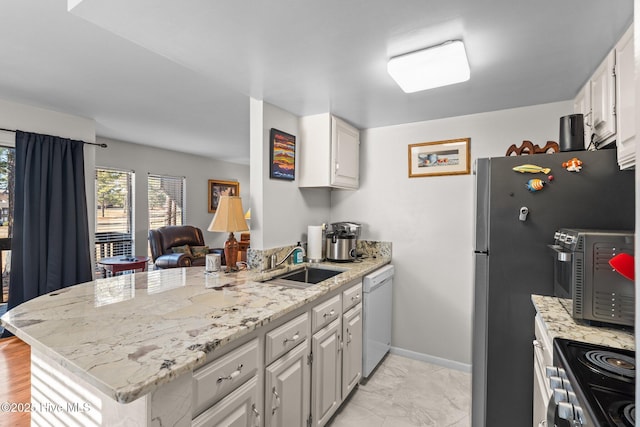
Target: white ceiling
<point>177,74</point>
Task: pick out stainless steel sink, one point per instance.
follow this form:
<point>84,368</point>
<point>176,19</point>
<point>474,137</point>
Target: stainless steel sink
<point>305,277</point>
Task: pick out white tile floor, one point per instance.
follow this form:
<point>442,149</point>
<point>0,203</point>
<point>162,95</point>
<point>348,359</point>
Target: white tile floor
<point>404,393</point>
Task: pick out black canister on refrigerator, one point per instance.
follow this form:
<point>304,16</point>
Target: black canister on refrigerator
<point>572,132</point>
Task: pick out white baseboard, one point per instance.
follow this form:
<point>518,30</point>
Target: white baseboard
<point>451,364</point>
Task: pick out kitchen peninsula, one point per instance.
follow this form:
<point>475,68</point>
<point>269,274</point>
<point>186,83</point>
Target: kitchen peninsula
<point>124,349</point>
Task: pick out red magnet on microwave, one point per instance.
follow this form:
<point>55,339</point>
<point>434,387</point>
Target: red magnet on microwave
<point>624,264</point>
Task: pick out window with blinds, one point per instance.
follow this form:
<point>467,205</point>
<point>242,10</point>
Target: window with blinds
<point>166,200</point>
<point>114,213</point>
<point>7,181</point>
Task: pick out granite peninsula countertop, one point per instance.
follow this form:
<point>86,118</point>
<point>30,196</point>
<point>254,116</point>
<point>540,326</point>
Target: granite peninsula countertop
<point>557,318</point>
<point>127,335</point>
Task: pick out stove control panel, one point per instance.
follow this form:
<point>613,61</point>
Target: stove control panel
<point>564,402</point>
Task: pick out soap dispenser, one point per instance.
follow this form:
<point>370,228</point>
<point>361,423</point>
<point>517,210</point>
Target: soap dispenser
<point>297,256</point>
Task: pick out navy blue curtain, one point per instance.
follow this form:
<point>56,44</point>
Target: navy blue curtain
<point>50,243</point>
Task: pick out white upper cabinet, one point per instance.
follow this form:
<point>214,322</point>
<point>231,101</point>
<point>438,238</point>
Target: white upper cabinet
<point>608,102</point>
<point>603,101</point>
<point>329,153</point>
<point>625,96</point>
<point>582,104</point>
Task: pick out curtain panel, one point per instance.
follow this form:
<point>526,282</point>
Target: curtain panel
<point>50,244</point>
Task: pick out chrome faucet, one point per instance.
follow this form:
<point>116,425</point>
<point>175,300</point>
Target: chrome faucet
<point>277,264</point>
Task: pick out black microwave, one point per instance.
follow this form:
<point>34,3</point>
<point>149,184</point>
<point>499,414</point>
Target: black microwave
<point>582,273</point>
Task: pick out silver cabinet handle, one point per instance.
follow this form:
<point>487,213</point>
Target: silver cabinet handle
<point>256,421</point>
<point>232,375</point>
<point>348,336</point>
<point>294,338</point>
<point>538,344</point>
<point>329,314</point>
<point>356,297</point>
<point>276,401</point>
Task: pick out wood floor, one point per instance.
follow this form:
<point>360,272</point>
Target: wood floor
<point>15,380</point>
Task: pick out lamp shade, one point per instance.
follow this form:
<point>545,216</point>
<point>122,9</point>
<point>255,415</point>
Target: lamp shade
<point>229,216</point>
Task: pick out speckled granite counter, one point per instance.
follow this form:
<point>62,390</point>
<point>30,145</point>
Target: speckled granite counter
<point>556,315</point>
<point>129,334</point>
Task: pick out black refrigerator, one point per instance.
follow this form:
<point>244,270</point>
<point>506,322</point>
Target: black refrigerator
<point>512,261</point>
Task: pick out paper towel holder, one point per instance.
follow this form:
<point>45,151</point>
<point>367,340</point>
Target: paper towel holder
<point>316,254</point>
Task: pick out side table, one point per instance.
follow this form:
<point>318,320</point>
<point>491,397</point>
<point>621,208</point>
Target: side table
<point>118,264</point>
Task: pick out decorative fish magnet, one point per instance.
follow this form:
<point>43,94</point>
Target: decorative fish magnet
<point>535,184</point>
<point>573,165</point>
<point>531,169</point>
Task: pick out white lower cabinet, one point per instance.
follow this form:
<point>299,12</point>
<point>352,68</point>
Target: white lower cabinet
<point>296,374</point>
<point>287,389</point>
<point>351,349</point>
<point>238,409</point>
<point>326,373</point>
<point>542,357</point>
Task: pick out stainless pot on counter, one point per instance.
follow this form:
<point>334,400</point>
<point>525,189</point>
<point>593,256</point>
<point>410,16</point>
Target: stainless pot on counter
<point>341,246</point>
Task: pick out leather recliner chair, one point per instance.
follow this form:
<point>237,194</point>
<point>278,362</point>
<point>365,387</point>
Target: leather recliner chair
<point>163,239</point>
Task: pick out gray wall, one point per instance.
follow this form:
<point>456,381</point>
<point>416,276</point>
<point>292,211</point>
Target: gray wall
<point>197,170</point>
<point>280,210</point>
<point>430,222</point>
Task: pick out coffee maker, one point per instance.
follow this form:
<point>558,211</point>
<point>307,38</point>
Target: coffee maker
<point>341,241</point>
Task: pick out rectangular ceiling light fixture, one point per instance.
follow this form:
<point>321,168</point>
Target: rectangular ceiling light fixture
<point>436,66</point>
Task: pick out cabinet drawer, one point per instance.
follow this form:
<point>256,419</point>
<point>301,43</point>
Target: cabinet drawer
<point>326,312</point>
<point>239,408</point>
<point>286,337</point>
<point>351,297</point>
<point>218,378</point>
<point>543,350</point>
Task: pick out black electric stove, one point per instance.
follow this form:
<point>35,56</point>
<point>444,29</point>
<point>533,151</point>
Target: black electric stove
<point>600,385</point>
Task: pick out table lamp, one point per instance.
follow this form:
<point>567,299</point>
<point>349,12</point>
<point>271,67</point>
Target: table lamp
<point>229,218</point>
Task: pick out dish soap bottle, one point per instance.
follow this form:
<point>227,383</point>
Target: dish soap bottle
<point>297,256</point>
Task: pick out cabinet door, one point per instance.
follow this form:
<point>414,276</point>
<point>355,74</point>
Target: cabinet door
<point>582,105</point>
<point>238,409</point>
<point>351,349</point>
<point>345,154</point>
<point>540,396</point>
<point>625,111</point>
<point>326,373</point>
<point>542,357</point>
<point>603,98</point>
<point>287,389</point>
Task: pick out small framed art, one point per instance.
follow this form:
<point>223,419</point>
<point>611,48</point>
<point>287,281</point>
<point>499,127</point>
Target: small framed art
<point>450,157</point>
<point>221,188</point>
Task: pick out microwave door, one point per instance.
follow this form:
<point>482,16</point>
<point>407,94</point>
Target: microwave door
<point>562,271</point>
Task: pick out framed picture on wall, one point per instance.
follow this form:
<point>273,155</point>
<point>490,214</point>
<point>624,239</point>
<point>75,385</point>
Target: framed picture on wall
<point>450,157</point>
<point>221,188</point>
<point>282,148</point>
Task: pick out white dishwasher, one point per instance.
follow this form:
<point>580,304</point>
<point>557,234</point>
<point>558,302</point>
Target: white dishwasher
<point>376,320</point>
